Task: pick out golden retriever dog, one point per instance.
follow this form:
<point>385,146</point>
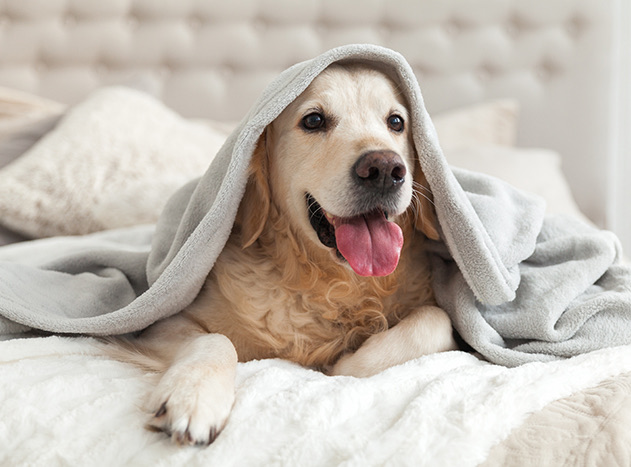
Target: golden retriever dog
<point>325,265</point>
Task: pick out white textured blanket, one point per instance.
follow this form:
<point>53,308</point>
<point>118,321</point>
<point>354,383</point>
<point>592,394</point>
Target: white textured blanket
<point>62,403</point>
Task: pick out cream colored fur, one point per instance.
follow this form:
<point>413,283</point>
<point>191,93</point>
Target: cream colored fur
<point>277,291</point>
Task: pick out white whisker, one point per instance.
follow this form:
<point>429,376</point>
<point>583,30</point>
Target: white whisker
<point>419,193</point>
<point>313,212</point>
<point>421,187</point>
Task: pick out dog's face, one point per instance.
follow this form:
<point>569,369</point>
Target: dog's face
<point>339,162</point>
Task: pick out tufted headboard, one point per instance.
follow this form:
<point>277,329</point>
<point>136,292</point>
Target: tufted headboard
<point>212,58</point>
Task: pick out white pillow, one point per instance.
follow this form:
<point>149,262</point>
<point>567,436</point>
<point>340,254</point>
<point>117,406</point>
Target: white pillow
<point>112,161</point>
<point>534,170</point>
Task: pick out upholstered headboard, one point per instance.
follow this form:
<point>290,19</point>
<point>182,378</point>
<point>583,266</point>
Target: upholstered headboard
<point>212,58</point>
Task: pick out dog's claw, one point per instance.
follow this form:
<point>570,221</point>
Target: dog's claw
<point>161,411</point>
<point>212,435</point>
<point>153,428</point>
<point>186,439</point>
<point>183,438</point>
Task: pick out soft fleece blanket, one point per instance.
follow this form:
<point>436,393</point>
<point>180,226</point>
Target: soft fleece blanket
<point>518,287</point>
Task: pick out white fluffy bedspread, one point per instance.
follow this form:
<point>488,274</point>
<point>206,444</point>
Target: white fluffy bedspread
<point>63,403</point>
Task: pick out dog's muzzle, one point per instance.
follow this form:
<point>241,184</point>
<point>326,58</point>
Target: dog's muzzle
<point>368,242</point>
<point>366,238</point>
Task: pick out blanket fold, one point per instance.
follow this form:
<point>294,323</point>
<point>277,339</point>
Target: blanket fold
<point>518,287</point>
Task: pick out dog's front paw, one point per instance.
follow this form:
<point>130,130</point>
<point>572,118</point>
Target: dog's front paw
<point>427,330</point>
<point>192,404</point>
<point>367,361</point>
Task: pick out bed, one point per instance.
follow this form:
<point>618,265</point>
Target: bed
<point>501,81</point>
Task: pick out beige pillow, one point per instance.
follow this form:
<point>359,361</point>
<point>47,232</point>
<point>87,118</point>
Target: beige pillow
<point>24,118</point>
<point>536,171</point>
<point>16,104</point>
<point>112,161</point>
<point>491,123</point>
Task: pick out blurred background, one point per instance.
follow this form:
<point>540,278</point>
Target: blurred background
<point>564,66</point>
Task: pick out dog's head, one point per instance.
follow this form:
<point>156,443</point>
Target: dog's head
<point>340,164</point>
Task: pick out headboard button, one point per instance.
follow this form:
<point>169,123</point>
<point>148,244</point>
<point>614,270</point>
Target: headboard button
<point>164,71</point>
<point>101,69</point>
<point>260,25</point>
<point>41,67</point>
<point>545,71</point>
<point>385,29</point>
<point>453,27</point>
<point>195,23</point>
<point>484,73</point>
<point>574,27</point>
<point>132,22</point>
<point>70,20</point>
<point>227,72</point>
<point>322,29</point>
<point>513,27</point>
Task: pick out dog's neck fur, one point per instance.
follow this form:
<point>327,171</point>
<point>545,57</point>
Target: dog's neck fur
<point>340,308</point>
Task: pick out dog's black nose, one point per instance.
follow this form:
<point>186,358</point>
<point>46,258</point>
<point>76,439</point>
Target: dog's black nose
<point>380,171</point>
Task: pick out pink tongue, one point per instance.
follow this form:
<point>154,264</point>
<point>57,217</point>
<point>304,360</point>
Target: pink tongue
<point>370,243</point>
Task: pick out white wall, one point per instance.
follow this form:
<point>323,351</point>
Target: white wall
<point>619,215</point>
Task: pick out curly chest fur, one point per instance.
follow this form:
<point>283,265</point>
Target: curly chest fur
<point>285,305</point>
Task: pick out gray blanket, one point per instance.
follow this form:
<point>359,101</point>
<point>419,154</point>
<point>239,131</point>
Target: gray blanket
<point>518,287</point>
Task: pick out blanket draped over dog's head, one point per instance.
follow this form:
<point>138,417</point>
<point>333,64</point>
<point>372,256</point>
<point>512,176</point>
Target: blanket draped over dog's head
<point>517,288</point>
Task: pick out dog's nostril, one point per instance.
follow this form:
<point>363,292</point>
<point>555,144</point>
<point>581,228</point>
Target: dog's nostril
<point>373,173</point>
<point>398,173</point>
<point>380,170</point>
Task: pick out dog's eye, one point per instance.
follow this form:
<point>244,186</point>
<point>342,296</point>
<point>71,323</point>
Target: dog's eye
<point>313,121</point>
<point>395,123</point>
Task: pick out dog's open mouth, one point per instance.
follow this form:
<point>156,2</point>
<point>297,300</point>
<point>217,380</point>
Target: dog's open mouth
<point>369,242</point>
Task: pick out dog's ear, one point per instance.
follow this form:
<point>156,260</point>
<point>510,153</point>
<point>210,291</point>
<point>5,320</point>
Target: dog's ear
<point>255,205</point>
<point>425,219</point>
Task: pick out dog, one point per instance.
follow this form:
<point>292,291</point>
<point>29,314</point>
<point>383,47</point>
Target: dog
<point>325,265</point>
